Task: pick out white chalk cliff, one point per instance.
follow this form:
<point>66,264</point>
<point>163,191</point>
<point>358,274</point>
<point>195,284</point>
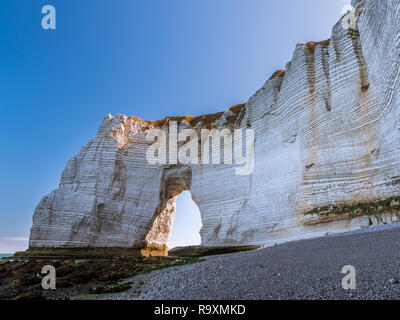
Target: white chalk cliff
<point>327,156</point>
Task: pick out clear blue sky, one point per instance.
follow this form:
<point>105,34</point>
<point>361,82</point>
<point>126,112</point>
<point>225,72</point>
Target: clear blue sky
<point>148,58</point>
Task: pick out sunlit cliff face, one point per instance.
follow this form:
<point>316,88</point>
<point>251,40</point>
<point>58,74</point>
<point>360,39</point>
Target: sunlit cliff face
<point>326,145</point>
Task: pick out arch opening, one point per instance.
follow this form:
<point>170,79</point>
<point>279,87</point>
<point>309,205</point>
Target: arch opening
<point>187,223</point>
<point>175,181</point>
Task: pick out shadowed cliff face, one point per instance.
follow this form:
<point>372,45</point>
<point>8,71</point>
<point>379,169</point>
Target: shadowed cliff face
<point>326,156</point>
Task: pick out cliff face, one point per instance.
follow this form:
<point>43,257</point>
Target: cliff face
<point>327,145</point>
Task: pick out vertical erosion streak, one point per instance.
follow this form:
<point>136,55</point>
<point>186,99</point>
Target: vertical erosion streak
<point>277,89</point>
<point>362,66</point>
<point>310,65</point>
<point>325,66</point>
<point>364,99</point>
<point>312,137</point>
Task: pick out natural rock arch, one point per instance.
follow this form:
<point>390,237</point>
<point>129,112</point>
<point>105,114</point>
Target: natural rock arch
<point>327,141</point>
